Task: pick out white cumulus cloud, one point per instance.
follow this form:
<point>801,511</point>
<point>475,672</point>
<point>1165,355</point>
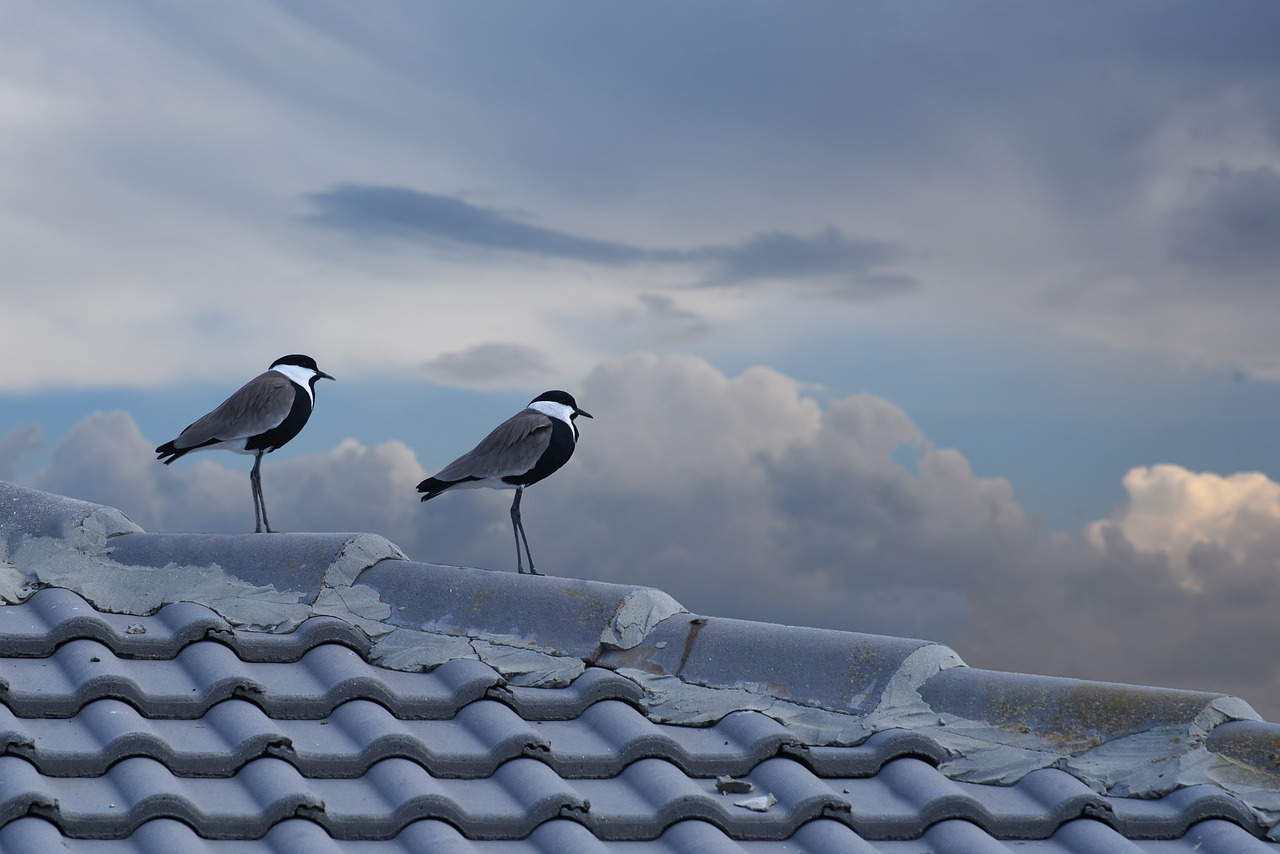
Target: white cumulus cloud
<point>1181,513</point>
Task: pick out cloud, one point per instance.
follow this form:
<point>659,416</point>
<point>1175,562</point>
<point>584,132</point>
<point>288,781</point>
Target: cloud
<point>490,365</point>
<point>742,496</point>
<point>1231,227</point>
<point>1178,587</point>
<point>399,212</point>
<point>665,322</point>
<point>106,459</point>
<point>854,264</point>
<point>1190,517</point>
<point>436,220</point>
<point>840,154</point>
<point>16,444</point>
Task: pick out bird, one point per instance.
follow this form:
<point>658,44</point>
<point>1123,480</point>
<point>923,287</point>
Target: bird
<point>263,415</point>
<point>520,451</point>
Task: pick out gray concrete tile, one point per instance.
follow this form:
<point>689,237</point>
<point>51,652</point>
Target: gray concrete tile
<point>205,673</point>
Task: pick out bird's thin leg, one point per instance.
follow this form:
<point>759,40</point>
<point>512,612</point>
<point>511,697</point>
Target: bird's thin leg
<point>527,553</point>
<point>259,502</point>
<point>515,528</point>
<point>518,528</point>
<point>257,506</point>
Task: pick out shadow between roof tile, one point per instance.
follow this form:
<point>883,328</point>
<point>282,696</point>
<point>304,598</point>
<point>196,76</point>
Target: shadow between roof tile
<point>104,732</point>
<point>867,758</point>
<point>1171,816</point>
<point>357,735</point>
<point>610,735</point>
<point>379,805</point>
<point>958,835</point>
<point>206,673</point>
<point>475,743</point>
<point>1217,836</point>
<point>520,795</point>
<point>53,616</point>
<point>560,836</point>
<point>293,645</point>
<point>651,795</point>
<point>570,701</point>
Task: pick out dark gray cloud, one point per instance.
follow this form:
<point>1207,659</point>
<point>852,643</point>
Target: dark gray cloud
<point>743,497</point>
<point>828,264</point>
<point>778,255</point>
<point>399,212</point>
<point>487,365</point>
<point>1231,227</point>
<point>838,92</point>
<point>854,265</point>
<point>853,268</point>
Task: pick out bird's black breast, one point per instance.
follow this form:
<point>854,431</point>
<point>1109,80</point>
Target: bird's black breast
<point>279,435</point>
<point>558,451</point>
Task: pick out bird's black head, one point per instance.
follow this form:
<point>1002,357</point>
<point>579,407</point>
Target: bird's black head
<point>305,362</point>
<point>564,399</point>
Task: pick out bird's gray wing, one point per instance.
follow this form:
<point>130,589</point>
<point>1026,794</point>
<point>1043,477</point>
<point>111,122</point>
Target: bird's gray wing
<point>260,404</point>
<point>512,448</point>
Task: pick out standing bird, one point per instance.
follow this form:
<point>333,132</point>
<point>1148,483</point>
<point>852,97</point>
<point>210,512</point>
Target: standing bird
<point>520,451</point>
<point>263,415</point>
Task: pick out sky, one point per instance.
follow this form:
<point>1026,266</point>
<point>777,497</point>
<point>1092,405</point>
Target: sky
<point>951,321</point>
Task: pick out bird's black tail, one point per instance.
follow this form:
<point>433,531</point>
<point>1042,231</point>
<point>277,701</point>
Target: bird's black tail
<point>169,451</point>
<point>433,486</point>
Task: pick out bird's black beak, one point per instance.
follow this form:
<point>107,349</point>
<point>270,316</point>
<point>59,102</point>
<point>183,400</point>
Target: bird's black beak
<point>582,412</point>
<point>321,375</point>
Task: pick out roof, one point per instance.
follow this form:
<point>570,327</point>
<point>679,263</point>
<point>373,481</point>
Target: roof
<point>321,692</point>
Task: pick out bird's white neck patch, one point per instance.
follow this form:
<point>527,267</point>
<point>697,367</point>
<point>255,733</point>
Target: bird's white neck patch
<point>300,375</point>
<point>555,410</point>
